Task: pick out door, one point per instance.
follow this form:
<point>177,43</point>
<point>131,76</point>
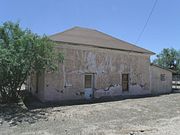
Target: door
<point>88,86</point>
<point>125,82</point>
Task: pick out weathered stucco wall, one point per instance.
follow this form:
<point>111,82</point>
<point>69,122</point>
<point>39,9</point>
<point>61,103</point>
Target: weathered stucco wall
<point>38,91</point>
<point>157,85</point>
<point>67,83</point>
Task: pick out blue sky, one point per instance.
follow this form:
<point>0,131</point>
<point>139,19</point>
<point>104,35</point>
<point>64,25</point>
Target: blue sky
<point>123,19</point>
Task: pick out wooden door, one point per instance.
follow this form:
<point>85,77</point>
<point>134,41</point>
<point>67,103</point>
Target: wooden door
<point>88,86</point>
<point>125,82</point>
<point>88,81</point>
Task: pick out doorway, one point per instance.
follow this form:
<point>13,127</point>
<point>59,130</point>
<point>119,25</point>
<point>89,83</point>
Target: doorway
<point>125,82</point>
<point>88,85</point>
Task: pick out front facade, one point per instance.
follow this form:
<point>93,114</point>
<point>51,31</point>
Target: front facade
<point>96,65</point>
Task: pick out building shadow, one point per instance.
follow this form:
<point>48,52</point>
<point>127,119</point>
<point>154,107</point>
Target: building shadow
<point>33,103</point>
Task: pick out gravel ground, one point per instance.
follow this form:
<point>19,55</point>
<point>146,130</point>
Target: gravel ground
<point>144,116</point>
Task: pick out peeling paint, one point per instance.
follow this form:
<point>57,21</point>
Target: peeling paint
<point>114,90</point>
<point>106,65</point>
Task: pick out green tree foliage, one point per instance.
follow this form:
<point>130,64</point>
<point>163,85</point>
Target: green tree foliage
<point>22,52</point>
<point>169,58</point>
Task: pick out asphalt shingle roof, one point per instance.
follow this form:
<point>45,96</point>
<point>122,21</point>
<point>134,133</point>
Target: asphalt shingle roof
<point>91,37</point>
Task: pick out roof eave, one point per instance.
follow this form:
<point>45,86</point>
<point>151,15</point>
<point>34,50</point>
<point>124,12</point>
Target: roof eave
<point>152,64</point>
<point>72,43</point>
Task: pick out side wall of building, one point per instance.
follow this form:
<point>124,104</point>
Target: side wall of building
<point>36,87</point>
<point>161,80</point>
<point>106,66</point>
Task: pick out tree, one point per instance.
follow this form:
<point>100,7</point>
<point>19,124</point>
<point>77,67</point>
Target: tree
<point>168,58</point>
<point>22,52</point>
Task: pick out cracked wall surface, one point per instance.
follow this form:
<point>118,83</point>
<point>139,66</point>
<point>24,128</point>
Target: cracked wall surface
<point>33,85</point>
<point>107,66</point>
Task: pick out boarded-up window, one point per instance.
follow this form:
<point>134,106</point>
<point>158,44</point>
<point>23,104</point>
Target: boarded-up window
<point>125,82</point>
<point>162,77</point>
<point>88,81</point>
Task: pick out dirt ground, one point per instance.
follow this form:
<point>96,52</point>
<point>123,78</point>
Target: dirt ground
<point>144,116</point>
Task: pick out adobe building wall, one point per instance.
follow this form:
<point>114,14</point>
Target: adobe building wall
<point>36,87</point>
<point>161,80</point>
<point>107,67</point>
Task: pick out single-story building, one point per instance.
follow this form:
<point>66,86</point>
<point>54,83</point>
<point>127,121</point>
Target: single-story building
<point>161,80</point>
<point>98,65</point>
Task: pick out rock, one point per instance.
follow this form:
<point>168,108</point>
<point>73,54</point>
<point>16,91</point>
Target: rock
<point>12,123</point>
<point>131,133</point>
<point>46,119</point>
<point>1,122</point>
<point>19,120</point>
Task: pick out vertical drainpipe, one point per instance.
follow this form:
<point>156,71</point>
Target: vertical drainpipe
<point>37,83</point>
<point>94,77</point>
<point>64,75</point>
<point>129,70</point>
<point>150,76</point>
<point>93,85</point>
<point>44,83</point>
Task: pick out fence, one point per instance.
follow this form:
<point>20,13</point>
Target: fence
<point>176,82</point>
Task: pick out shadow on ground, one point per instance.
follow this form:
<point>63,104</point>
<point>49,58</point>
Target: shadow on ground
<point>32,110</point>
<point>15,114</point>
<point>33,103</point>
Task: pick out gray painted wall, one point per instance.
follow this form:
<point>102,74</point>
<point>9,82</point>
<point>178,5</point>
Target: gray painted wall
<point>67,83</point>
<point>157,85</point>
<point>107,67</point>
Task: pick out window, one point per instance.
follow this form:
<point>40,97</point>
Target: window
<point>125,82</point>
<point>88,81</point>
<point>162,77</point>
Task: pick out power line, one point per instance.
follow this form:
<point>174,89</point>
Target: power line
<point>150,14</point>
